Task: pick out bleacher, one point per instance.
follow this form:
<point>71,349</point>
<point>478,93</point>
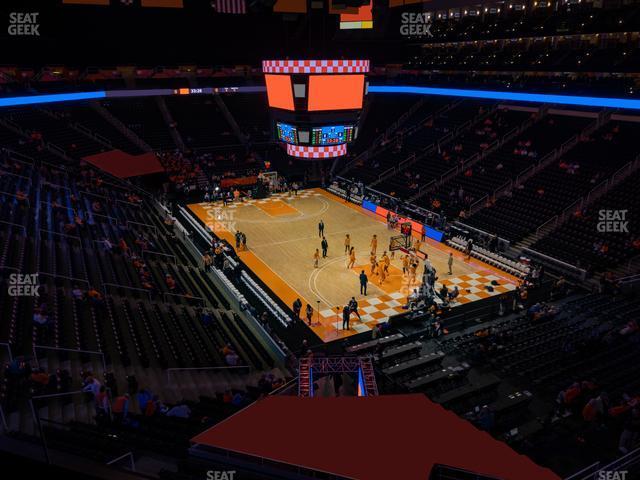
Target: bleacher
<point>200,122</point>
<point>579,242</point>
<point>142,116</point>
<point>505,163</point>
<point>88,117</point>
<point>250,114</point>
<point>560,184</point>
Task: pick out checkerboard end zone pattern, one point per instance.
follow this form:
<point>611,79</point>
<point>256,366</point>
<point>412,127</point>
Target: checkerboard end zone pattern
<point>379,309</point>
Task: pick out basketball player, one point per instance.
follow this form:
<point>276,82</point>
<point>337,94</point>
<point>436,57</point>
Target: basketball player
<point>352,258</point>
<point>387,262</point>
<point>393,252</point>
<point>450,263</point>
<point>405,264</point>
<point>374,263</point>
<point>309,313</point>
<point>417,246</point>
<point>316,258</point>
<point>412,273</point>
<point>347,244</point>
<point>374,244</point>
<point>382,272</point>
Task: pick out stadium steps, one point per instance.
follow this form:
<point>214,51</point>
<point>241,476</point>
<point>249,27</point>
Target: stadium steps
<point>79,128</point>
<point>231,120</point>
<point>168,119</point>
<point>121,127</point>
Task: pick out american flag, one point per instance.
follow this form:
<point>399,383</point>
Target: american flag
<point>230,6</point>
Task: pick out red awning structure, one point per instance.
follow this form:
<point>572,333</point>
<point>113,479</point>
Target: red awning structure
<point>368,438</point>
<point>125,165</point>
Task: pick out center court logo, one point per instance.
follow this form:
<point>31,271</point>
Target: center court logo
<point>613,221</point>
<point>415,25</point>
<point>23,285</point>
<point>22,24</point>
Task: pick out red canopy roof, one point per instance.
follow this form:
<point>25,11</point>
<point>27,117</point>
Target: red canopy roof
<point>383,437</point>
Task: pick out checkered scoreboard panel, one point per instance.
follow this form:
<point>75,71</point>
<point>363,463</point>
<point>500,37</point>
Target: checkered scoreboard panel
<point>315,66</point>
<point>331,151</point>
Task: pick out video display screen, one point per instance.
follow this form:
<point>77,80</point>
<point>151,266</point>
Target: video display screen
<point>287,133</point>
<point>335,92</point>
<point>279,91</point>
<point>332,135</point>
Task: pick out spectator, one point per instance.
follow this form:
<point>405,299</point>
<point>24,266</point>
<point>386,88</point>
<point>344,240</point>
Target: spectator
<point>179,411</point>
<point>120,408</point>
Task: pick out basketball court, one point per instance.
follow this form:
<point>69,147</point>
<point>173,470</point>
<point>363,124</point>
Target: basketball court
<point>282,236</point>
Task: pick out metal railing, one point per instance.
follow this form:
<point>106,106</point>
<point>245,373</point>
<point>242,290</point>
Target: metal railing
<point>152,252</point>
<point>69,350</point>
<point>9,194</point>
<point>66,235</point>
<point>131,458</point>
<point>142,224</point>
<point>579,273</point>
<point>38,421</point>
<point>65,277</point>
<point>3,420</point>
<point>8,347</point>
<point>22,227</point>
<point>592,472</point>
<point>248,368</point>
<point>187,297</point>
<point>125,287</point>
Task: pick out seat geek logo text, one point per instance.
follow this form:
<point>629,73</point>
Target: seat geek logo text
<point>24,24</point>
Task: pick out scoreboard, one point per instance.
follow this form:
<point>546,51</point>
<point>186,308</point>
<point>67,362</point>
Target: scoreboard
<point>315,105</point>
<point>332,135</point>
<point>287,133</point>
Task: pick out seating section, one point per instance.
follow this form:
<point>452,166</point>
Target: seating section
<point>430,123</point>
<point>505,163</point>
<point>55,130</point>
<point>86,116</point>
<point>535,23</point>
<point>88,235</point>
<point>473,140</point>
<point>580,242</point>
<point>251,115</point>
<point>559,185</point>
<point>143,117</point>
<point>200,122</point>
<point>381,113</point>
<point>585,338</point>
<point>545,54</point>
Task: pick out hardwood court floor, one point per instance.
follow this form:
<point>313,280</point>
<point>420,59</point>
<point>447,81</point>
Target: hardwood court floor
<point>282,235</point>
